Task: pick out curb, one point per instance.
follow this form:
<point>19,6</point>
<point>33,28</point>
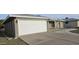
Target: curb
<point>23,41</point>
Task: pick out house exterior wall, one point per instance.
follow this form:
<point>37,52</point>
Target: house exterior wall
<point>56,24</point>
<point>10,29</point>
<point>53,25</point>
<point>59,24</point>
<point>29,26</point>
<point>50,26</point>
<point>77,23</point>
<point>16,28</point>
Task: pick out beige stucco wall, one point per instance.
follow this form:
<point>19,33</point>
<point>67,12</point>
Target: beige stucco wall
<point>77,23</point>
<point>55,25</point>
<point>59,24</point>
<point>49,25</point>
<point>16,27</point>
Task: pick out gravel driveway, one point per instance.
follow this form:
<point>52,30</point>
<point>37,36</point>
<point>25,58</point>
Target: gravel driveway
<point>62,37</point>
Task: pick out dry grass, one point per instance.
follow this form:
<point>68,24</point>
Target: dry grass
<point>12,42</point>
<point>4,41</point>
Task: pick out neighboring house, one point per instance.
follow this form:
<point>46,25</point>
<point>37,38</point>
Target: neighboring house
<point>71,23</point>
<point>23,24</point>
<point>55,24</point>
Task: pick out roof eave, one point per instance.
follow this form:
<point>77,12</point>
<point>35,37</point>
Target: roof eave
<point>28,17</point>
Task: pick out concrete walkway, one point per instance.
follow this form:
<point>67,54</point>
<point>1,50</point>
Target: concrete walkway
<point>62,37</point>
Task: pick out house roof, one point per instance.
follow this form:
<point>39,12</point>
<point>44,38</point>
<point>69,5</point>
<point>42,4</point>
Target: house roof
<point>71,19</point>
<point>31,16</point>
<point>13,16</point>
<point>25,15</point>
<point>56,19</point>
<point>28,16</point>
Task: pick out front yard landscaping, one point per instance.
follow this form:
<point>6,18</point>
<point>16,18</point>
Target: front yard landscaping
<point>4,41</point>
<point>12,42</point>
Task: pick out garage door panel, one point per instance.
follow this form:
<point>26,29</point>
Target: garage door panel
<point>31,26</point>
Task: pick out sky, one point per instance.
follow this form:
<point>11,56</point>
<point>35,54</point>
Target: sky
<point>3,16</point>
<point>61,16</point>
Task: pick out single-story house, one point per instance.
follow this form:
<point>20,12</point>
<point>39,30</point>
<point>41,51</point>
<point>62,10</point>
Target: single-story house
<point>23,24</point>
<point>71,23</point>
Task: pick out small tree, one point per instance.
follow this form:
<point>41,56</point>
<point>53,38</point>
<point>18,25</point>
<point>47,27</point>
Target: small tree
<point>66,17</point>
<point>1,24</point>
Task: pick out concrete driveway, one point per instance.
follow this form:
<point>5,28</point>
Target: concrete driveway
<point>62,37</point>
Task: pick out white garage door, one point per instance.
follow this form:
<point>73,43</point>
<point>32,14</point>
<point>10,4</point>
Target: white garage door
<point>31,26</point>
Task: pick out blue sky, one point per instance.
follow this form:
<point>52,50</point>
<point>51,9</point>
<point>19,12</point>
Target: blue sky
<point>2,16</point>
